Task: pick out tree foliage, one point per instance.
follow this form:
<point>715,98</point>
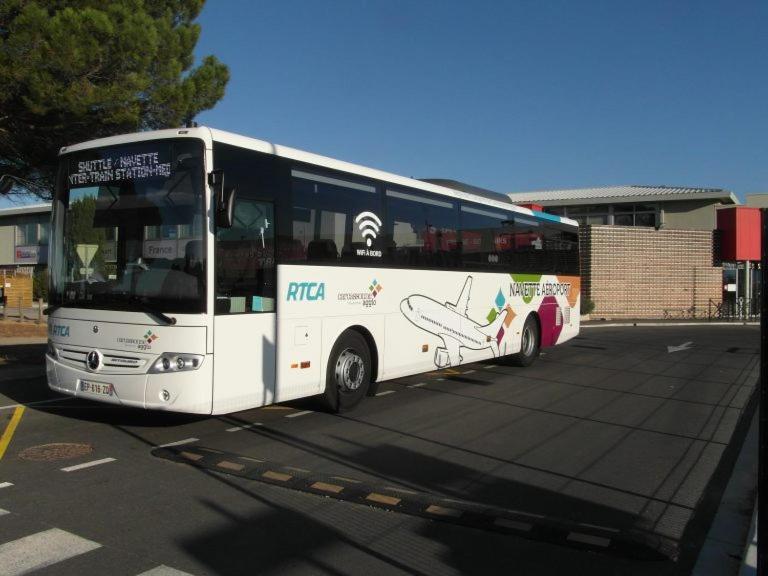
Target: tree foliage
<point>73,70</point>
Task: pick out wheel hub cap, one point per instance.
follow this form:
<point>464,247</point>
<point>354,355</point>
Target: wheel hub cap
<point>349,371</point>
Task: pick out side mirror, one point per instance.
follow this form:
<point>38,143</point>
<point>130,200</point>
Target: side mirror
<point>225,209</point>
<point>224,200</point>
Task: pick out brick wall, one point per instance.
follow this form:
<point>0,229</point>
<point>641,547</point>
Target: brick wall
<point>646,273</point>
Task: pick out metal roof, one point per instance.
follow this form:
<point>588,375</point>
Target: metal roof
<point>613,194</point>
<point>22,210</point>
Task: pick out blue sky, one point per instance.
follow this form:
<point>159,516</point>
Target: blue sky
<point>511,96</point>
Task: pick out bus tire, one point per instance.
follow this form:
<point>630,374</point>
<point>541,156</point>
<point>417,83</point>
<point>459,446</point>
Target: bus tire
<point>529,344</point>
<point>349,372</point>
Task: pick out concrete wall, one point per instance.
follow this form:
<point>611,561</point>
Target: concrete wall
<point>8,237</point>
<point>757,200</point>
<point>647,273</point>
<point>7,241</point>
<point>690,215</point>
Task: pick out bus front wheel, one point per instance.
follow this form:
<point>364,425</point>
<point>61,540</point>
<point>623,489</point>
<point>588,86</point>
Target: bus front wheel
<point>349,372</point>
<point>529,343</point>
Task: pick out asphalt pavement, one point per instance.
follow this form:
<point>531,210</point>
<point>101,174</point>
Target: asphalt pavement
<point>609,455</point>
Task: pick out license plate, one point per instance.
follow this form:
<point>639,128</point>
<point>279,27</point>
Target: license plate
<point>96,388</point>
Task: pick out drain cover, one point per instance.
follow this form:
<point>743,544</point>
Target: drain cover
<point>51,452</point>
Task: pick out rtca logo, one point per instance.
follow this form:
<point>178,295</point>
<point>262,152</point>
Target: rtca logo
<point>306,291</point>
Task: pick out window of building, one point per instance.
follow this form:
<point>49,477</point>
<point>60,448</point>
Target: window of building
<point>31,233</point>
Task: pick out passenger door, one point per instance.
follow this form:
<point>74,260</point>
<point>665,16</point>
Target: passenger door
<point>244,322</point>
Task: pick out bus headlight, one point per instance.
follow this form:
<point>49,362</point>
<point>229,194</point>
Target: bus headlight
<point>175,362</point>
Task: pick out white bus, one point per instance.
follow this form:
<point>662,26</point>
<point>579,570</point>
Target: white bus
<point>199,271</point>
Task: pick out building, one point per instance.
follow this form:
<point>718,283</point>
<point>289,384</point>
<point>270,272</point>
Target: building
<point>662,207</point>
<point>24,234</point>
<point>646,251</point>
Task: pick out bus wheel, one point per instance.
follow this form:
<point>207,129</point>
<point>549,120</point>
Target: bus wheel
<point>349,372</point>
<point>529,346</point>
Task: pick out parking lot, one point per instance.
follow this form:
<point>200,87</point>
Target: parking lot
<point>607,456</point>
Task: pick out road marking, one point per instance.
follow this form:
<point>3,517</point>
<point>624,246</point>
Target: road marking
<point>606,528</point>
<point>37,402</point>
<point>5,484</point>
<point>443,511</point>
<point>417,385</point>
<point>344,479</point>
<point>589,539</point>
<point>469,371</point>
<point>514,524</point>
<point>164,570</point>
<point>244,427</point>
<point>385,392</point>
<point>5,439</point>
<point>230,466</point>
<point>277,476</point>
<point>297,414</point>
<point>489,366</point>
<point>88,464</point>
<point>42,549</point>
<point>3,512</point>
<point>683,347</point>
<point>325,487</point>
<point>178,442</point>
<point>383,499</point>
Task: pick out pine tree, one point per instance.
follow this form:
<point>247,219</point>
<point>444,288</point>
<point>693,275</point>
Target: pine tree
<point>73,70</point>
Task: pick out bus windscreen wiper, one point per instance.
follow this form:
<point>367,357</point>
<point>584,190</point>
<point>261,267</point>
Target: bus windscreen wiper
<point>170,320</point>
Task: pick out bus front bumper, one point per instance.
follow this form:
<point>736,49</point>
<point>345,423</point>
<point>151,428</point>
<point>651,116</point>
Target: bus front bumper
<point>189,391</point>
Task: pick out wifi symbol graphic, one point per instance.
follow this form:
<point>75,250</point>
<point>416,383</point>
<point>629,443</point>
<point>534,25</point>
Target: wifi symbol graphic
<point>369,225</point>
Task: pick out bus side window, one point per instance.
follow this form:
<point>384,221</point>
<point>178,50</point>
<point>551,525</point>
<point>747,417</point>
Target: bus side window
<point>421,230</point>
<point>336,218</point>
<point>245,260</point>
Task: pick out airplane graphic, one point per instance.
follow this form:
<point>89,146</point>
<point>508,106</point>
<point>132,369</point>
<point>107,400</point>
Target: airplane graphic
<point>451,323</point>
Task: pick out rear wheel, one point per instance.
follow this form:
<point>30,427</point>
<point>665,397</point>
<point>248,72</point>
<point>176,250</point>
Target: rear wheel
<point>349,372</point>
<point>529,345</point>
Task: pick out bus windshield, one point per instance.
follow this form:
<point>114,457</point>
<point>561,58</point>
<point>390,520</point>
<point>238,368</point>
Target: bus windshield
<point>129,228</point>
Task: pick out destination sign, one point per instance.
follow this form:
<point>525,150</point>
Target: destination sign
<point>118,167</point>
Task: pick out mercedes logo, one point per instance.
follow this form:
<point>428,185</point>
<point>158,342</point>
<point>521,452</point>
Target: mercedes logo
<point>93,360</point>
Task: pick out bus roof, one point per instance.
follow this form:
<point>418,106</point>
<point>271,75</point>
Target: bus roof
<point>210,135</point>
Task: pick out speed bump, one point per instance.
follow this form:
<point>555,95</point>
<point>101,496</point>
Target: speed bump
<point>633,543</point>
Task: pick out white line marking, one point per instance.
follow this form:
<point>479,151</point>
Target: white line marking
<point>297,414</point>
<point>489,366</point>
<point>514,524</point>
<point>178,443</point>
<point>87,464</point>
<point>469,371</point>
<point>3,512</point>
<point>417,385</point>
<point>5,484</point>
<point>37,402</point>
<point>589,539</point>
<point>597,526</point>
<point>244,427</point>
<point>164,570</point>
<point>36,551</point>
<point>385,392</point>
<point>440,379</point>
